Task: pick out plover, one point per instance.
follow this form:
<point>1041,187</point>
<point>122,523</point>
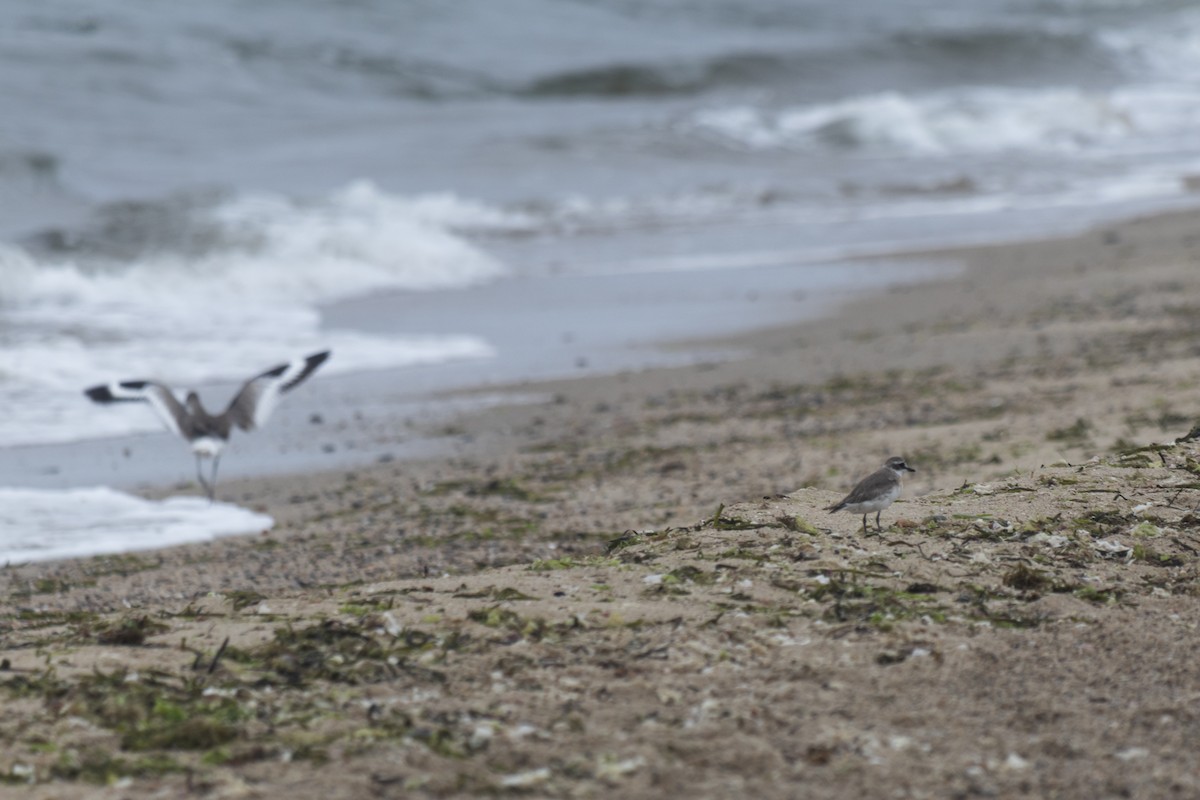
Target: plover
<point>208,433</point>
<point>875,492</point>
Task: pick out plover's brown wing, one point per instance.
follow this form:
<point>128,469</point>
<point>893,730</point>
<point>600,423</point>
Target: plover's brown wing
<point>160,397</point>
<point>256,400</point>
<point>869,488</point>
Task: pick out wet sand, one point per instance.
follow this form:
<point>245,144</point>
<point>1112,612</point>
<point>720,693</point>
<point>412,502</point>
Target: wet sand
<point>633,587</point>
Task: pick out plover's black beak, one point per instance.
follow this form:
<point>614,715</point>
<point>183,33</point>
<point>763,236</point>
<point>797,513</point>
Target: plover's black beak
<point>910,469</point>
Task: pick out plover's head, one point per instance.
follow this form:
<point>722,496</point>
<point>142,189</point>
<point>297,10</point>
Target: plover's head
<point>896,464</point>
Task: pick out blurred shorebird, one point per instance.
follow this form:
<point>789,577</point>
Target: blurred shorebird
<point>208,433</point>
<point>875,492</point>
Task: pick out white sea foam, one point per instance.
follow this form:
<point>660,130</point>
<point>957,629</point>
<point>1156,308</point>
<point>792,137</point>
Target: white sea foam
<point>963,121</point>
<point>575,214</point>
<point>248,303</point>
<point>39,525</point>
<point>361,240</point>
<point>1167,48</point>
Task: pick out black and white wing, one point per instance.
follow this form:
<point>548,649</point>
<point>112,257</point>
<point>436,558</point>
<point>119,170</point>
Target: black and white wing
<point>253,405</point>
<point>160,398</point>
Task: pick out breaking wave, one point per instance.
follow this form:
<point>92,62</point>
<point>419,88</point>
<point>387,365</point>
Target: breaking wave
<point>961,122</point>
<point>193,293</point>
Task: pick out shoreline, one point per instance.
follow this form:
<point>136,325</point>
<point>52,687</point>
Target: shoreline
<point>282,449</point>
<point>511,419</point>
<point>634,587</point>
<point>566,326</point>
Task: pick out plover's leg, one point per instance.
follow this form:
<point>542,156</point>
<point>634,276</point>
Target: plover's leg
<point>200,476</point>
<point>864,523</point>
<point>878,527</point>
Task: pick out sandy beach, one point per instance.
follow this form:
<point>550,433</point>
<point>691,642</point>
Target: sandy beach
<point>632,589</point>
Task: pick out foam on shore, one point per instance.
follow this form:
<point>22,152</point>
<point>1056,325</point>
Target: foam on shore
<point>40,525</point>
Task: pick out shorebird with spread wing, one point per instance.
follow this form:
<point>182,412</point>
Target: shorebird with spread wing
<point>208,433</point>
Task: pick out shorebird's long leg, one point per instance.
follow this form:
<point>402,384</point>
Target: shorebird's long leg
<point>212,489</point>
<point>878,527</point>
<point>864,523</point>
<point>200,476</point>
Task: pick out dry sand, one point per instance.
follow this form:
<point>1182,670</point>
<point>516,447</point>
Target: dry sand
<point>632,589</point>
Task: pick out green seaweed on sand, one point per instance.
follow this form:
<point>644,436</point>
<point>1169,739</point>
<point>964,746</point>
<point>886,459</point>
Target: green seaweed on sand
<point>797,524</point>
<point>346,653</point>
<point>551,564</point>
<point>129,631</point>
<point>689,574</point>
<point>97,766</point>
<point>147,712</point>
<point>1027,579</point>
<point>242,598</point>
<point>1098,595</point>
<point>857,601</point>
<point>721,522</point>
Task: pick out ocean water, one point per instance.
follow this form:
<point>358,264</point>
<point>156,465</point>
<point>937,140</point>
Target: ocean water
<point>244,300</point>
<point>195,192</point>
